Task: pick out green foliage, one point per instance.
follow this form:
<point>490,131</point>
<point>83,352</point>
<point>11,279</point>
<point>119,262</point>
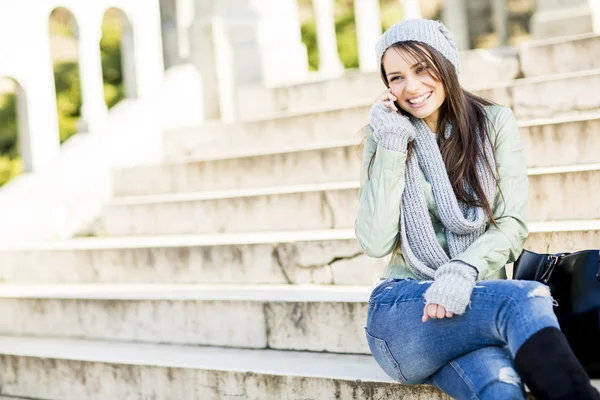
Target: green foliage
<point>9,168</point>
<point>10,163</point>
<point>347,42</point>
<point>8,124</point>
<point>110,51</point>
<point>68,98</point>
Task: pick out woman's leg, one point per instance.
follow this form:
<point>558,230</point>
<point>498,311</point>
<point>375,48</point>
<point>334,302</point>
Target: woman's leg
<point>502,313</point>
<point>487,373</point>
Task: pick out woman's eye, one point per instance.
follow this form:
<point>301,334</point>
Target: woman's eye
<point>395,78</point>
<point>422,68</point>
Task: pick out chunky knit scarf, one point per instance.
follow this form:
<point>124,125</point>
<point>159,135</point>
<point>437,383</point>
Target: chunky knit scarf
<point>463,224</point>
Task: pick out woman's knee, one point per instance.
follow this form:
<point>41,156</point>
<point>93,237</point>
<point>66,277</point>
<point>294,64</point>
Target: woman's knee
<point>509,389</point>
<point>534,296</point>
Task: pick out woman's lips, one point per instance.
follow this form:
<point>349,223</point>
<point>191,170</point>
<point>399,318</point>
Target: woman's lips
<point>422,103</point>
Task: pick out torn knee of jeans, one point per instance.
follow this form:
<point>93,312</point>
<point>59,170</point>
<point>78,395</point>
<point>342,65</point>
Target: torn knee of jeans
<point>509,375</point>
<point>542,291</point>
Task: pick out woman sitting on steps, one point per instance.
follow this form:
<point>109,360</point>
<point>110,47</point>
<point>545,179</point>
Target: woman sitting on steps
<point>444,187</point>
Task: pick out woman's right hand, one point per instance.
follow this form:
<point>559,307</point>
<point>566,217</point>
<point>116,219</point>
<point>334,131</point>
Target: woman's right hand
<point>391,129</point>
<point>388,99</point>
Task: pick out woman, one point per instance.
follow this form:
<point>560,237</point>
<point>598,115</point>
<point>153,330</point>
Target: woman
<point>444,189</point>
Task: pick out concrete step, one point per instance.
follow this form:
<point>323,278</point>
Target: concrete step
<point>322,128</point>
<point>216,140</point>
<point>292,257</point>
<point>559,55</point>
<point>556,193</point>
<point>558,95</point>
<point>551,142</point>
<point>97,370</point>
<point>547,96</point>
<point>287,317</point>
<point>331,257</point>
<point>316,164</point>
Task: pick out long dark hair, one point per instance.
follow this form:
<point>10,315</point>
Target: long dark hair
<point>465,112</point>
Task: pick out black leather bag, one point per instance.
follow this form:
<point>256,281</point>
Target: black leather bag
<point>574,280</point>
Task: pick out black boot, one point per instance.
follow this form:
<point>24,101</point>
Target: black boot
<point>551,370</point>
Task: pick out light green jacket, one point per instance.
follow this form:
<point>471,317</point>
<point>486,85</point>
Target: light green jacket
<point>377,225</point>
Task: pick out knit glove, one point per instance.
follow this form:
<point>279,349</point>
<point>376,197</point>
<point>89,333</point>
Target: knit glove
<point>452,286</point>
<point>391,129</point>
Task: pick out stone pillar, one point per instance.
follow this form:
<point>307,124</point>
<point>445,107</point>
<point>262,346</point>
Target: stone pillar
<point>128,59</point>
<point>93,107</point>
<point>500,19</point>
<point>329,60</point>
<point>185,19</point>
<point>455,19</point>
<point>170,33</point>
<point>144,65</point>
<point>368,31</point>
<point>39,139</point>
<point>412,8</point>
<point>554,18</point>
<point>246,43</point>
<point>283,55</point>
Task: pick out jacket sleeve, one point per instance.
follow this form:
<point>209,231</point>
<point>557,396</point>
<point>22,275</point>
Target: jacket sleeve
<point>378,222</point>
<point>503,244</point>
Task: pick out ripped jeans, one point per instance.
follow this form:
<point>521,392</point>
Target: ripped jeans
<point>469,356</point>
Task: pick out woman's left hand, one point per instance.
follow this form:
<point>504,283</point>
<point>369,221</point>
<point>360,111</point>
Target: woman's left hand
<point>435,311</point>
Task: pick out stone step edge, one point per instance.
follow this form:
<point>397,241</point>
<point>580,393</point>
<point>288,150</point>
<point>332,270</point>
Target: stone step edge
<point>346,367</point>
<point>475,88</point>
<point>249,238</point>
<point>263,293</point>
<point>558,40</point>
<point>536,79</point>
<point>275,362</point>
<point>234,155</point>
<point>301,188</point>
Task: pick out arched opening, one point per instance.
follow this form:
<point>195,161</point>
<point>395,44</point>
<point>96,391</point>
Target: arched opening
<point>118,57</point>
<point>64,34</point>
<point>14,130</point>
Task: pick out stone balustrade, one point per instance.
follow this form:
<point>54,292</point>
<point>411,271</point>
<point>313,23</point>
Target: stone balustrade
<point>25,47</point>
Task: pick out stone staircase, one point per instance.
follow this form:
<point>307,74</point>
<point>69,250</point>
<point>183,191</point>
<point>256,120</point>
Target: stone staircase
<point>231,270</point>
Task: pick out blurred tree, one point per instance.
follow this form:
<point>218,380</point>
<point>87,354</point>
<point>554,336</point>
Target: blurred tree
<point>110,51</point>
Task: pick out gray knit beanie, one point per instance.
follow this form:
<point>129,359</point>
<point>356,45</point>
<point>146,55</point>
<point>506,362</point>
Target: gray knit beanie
<point>427,31</point>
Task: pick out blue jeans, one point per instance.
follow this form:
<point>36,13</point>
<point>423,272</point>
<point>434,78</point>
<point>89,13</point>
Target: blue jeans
<point>469,356</point>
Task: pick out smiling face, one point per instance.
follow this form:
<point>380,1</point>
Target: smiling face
<point>413,82</point>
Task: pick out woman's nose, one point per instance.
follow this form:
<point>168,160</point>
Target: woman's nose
<point>412,85</point>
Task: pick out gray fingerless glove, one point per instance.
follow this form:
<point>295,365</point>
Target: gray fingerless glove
<point>390,129</point>
<point>452,286</point>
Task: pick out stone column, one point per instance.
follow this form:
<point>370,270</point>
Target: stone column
<point>39,139</point>
<point>283,55</point>
<point>455,19</point>
<point>144,65</point>
<point>244,43</point>
<point>500,18</point>
<point>170,32</point>
<point>368,31</point>
<point>554,18</point>
<point>329,59</point>
<point>185,19</point>
<point>412,8</point>
<point>93,107</point>
<point>128,59</point>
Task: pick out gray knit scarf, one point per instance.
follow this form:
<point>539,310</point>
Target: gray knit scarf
<point>463,224</point>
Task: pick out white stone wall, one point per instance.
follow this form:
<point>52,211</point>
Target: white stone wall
<point>25,49</point>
